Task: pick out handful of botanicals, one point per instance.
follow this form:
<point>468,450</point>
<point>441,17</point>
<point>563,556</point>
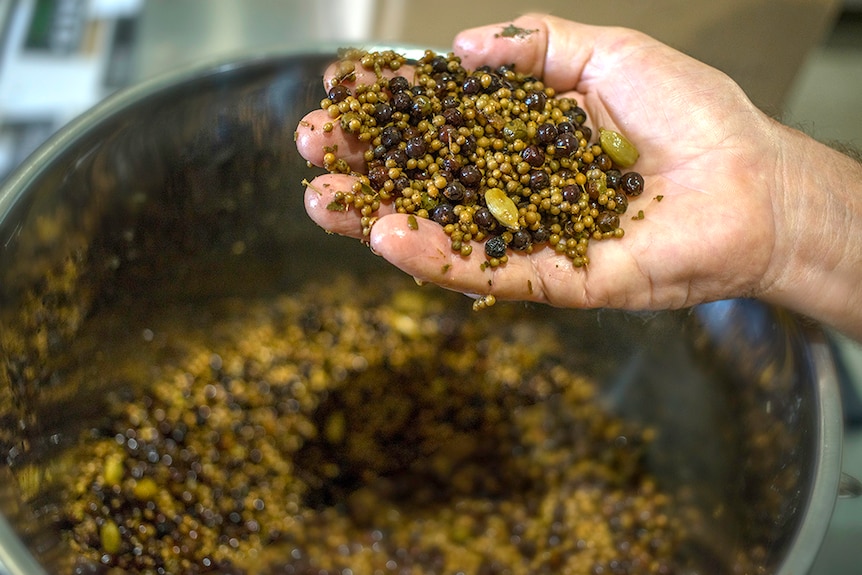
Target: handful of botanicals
<point>491,155</point>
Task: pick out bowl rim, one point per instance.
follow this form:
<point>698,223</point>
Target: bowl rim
<point>29,170</point>
<point>823,495</point>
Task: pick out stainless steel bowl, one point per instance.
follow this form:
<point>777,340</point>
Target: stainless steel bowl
<point>171,176</point>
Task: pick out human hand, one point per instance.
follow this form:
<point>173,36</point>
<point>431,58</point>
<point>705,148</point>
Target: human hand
<point>704,148</point>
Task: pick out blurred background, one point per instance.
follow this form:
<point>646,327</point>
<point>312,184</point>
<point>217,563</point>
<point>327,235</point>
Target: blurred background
<point>798,60</point>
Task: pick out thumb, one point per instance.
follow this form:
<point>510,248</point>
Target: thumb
<point>561,52</point>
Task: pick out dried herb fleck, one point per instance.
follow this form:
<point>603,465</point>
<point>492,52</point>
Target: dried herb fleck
<point>512,31</point>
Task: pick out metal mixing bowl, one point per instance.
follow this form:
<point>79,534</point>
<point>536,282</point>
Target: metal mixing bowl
<point>194,179</point>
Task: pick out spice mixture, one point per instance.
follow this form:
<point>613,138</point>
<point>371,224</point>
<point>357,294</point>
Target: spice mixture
<point>358,428</point>
<point>492,155</point>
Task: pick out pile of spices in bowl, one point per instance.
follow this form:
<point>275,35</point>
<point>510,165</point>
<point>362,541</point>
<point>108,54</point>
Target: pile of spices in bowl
<point>492,155</point>
<point>357,428</point>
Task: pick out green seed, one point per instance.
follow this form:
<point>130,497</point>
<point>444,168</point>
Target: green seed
<point>114,470</point>
<point>621,151</point>
<point>515,130</point>
<point>502,208</point>
<point>428,202</point>
<point>336,427</point>
<point>146,489</point>
<point>109,537</point>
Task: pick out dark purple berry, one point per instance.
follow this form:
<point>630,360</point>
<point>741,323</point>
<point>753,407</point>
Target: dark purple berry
<point>571,193</point>
<point>565,128</point>
<point>521,240</point>
<point>613,178</point>
<point>541,235</point>
<point>447,134</point>
<point>416,147</point>
<point>566,144</point>
<point>622,203</point>
<point>469,146</point>
<point>536,101</point>
<point>398,157</point>
<point>632,183</point>
<point>451,165</point>
<point>390,137</point>
<point>338,93</point>
<point>439,64</point>
<point>577,115</point>
<point>449,102</point>
<point>603,162</point>
<point>533,155</point>
<point>470,176</point>
<point>483,218</point>
<point>546,134</point>
<point>402,101</point>
<point>472,85</point>
<point>378,175</point>
<point>539,180</point>
<point>454,192</point>
<point>398,84</point>
<point>607,221</point>
<point>383,113</point>
<point>453,116</point>
<point>594,189</point>
<point>495,247</point>
<point>443,214</point>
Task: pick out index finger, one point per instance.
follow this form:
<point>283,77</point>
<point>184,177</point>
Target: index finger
<point>351,72</point>
<point>319,132</point>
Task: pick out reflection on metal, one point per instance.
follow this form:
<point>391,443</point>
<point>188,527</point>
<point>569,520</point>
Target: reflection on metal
<point>849,487</point>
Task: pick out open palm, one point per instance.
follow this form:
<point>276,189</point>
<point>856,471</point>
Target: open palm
<point>707,230</point>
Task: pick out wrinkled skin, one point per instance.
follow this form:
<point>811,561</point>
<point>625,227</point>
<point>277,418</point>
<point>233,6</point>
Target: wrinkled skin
<point>725,226</point>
